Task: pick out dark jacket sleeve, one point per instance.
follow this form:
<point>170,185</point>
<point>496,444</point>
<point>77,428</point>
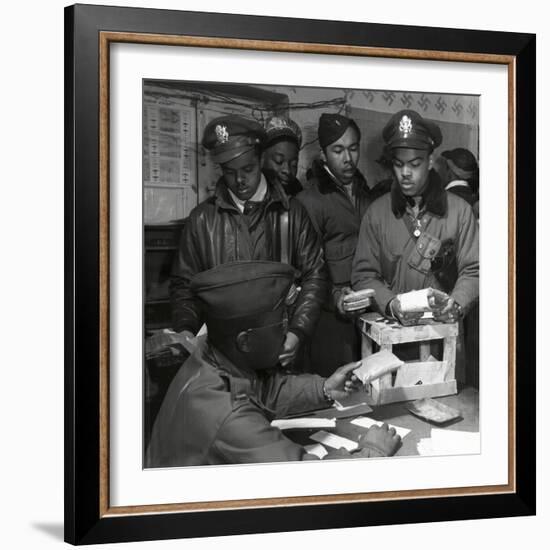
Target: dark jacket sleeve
<point>367,270</point>
<point>307,257</point>
<point>466,289</point>
<point>186,311</point>
<point>293,393</point>
<point>246,436</point>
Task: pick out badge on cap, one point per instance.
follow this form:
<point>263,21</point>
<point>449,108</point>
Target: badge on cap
<point>278,123</point>
<point>405,126</point>
<point>222,134</point>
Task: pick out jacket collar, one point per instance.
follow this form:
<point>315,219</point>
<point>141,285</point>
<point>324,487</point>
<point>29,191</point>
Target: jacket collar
<point>327,184</point>
<point>275,194</point>
<point>434,198</point>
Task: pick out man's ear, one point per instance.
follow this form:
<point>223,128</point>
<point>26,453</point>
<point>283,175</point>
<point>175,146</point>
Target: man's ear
<point>243,341</point>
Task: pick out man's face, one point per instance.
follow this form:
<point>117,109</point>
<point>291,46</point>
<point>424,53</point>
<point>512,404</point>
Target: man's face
<point>282,159</point>
<point>342,156</point>
<point>242,175</point>
<point>411,168</point>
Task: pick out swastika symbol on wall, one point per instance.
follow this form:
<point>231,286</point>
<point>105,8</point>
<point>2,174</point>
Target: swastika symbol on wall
<point>407,100</point>
<point>424,102</point>
<point>440,105</point>
<point>369,95</point>
<point>389,97</point>
<point>457,107</point>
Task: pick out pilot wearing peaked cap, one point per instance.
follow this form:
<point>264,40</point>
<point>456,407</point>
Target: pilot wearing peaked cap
<point>241,221</point>
<point>407,129</point>
<point>282,149</point>
<point>417,236</point>
<point>219,407</point>
<point>230,136</point>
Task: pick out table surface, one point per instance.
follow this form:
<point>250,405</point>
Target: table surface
<point>466,401</point>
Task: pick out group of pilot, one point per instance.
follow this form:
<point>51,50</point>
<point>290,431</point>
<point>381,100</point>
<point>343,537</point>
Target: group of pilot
<point>266,264</point>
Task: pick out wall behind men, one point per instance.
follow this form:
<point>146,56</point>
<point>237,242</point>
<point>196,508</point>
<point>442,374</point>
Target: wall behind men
<point>457,116</point>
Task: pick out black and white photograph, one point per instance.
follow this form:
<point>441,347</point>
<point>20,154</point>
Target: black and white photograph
<point>311,273</point>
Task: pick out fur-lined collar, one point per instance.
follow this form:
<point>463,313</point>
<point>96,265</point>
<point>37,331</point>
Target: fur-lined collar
<point>434,198</point>
<point>327,184</point>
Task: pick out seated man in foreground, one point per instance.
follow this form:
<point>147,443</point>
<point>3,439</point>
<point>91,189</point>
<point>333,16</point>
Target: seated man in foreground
<point>219,407</point>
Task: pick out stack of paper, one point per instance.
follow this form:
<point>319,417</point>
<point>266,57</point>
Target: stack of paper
<point>365,422</point>
<point>450,442</point>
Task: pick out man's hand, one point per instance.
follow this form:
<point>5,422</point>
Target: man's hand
<point>339,301</point>
<point>403,317</point>
<point>343,382</point>
<point>451,313</point>
<point>290,349</point>
<point>445,309</point>
<point>380,439</point>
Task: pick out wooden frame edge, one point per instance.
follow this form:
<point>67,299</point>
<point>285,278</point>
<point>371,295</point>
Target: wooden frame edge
<point>105,39</point>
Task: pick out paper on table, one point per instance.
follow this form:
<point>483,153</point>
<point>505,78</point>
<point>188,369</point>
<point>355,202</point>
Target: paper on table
<point>450,442</point>
<point>334,441</point>
<point>317,450</point>
<point>456,442</point>
<point>303,423</point>
<point>366,422</point>
<point>425,447</point>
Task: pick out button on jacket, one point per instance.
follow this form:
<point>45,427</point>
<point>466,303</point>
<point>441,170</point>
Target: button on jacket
<point>217,413</point>
<point>216,232</point>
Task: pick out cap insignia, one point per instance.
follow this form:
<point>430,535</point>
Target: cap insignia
<point>279,123</point>
<point>405,126</point>
<point>222,134</point>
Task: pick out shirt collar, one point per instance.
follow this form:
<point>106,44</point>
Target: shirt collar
<point>258,196</point>
<point>335,179</point>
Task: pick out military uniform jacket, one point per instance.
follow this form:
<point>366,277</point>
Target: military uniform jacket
<point>337,219</point>
<point>217,413</point>
<point>380,261</point>
<point>216,232</point>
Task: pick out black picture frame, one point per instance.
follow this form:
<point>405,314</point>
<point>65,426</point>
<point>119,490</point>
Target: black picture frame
<point>87,518</point>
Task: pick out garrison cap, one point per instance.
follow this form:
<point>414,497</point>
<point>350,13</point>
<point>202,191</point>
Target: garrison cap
<point>282,127</point>
<point>332,127</point>
<point>462,162</point>
<point>239,290</point>
<point>230,136</point>
<point>409,130</point>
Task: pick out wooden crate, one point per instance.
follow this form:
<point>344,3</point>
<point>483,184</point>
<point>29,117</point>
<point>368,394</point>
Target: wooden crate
<point>376,333</point>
